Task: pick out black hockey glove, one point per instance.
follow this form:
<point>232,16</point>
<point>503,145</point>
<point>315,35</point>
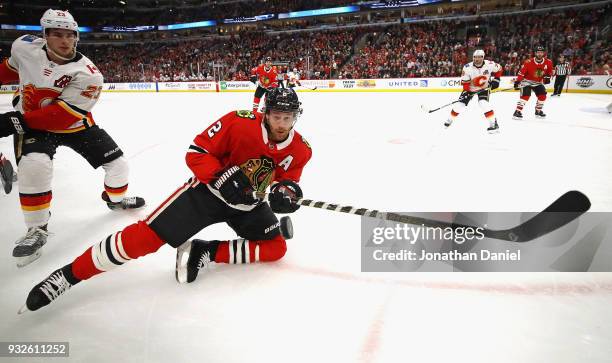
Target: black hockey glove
<point>465,97</point>
<point>494,83</point>
<point>235,187</point>
<point>12,123</point>
<point>546,79</point>
<point>517,85</point>
<point>254,79</point>
<point>283,195</point>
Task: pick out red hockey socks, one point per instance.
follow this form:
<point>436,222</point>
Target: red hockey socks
<point>135,240</point>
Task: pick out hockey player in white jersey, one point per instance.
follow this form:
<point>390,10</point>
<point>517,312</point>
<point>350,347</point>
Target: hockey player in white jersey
<point>293,78</point>
<point>478,77</point>
<point>58,87</point>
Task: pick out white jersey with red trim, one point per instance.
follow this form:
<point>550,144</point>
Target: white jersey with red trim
<point>293,78</point>
<point>478,77</point>
<point>75,86</point>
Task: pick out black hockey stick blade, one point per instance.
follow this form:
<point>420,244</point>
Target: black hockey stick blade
<point>568,207</point>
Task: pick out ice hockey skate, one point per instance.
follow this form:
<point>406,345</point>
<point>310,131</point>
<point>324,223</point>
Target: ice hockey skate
<point>125,203</point>
<point>191,257</point>
<point>60,281</point>
<point>28,247</point>
<point>493,127</point>
<point>518,115</point>
<point>194,255</point>
<point>540,114</point>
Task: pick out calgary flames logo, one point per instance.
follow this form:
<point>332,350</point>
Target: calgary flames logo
<point>260,172</point>
<point>35,98</point>
<point>480,81</point>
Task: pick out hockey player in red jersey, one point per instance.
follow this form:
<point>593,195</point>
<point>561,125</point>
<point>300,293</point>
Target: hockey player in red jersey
<point>241,153</point>
<point>58,87</point>
<point>265,77</point>
<point>534,74</point>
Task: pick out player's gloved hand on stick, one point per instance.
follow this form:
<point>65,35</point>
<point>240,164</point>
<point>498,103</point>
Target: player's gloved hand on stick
<point>12,123</point>
<point>235,187</point>
<point>283,195</point>
<point>494,83</point>
<point>517,85</point>
<point>254,79</point>
<point>546,79</point>
<point>465,96</point>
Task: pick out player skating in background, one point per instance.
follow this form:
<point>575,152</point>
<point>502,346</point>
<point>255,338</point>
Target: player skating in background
<point>534,74</point>
<point>293,78</point>
<point>240,153</point>
<point>58,87</point>
<point>478,78</point>
<point>265,76</point>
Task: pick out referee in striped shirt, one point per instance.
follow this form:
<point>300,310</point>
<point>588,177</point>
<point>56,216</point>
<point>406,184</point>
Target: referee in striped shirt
<point>562,69</point>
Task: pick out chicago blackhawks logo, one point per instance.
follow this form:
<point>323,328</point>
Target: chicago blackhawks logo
<point>36,98</point>
<point>260,172</point>
<point>539,72</point>
<point>245,114</point>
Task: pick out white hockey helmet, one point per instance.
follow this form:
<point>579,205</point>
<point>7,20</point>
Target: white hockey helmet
<point>478,53</point>
<point>58,19</point>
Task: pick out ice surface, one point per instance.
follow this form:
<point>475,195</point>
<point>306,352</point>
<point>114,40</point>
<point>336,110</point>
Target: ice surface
<point>374,150</point>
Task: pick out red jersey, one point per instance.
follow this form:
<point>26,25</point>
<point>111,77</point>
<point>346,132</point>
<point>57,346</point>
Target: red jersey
<point>240,138</point>
<point>267,77</point>
<point>534,72</point>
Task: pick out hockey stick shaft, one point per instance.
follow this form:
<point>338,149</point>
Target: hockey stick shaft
<point>562,211</point>
<point>452,103</point>
<point>441,107</point>
<point>504,89</point>
<point>308,88</point>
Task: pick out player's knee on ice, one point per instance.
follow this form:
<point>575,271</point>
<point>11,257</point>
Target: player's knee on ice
<point>272,250</point>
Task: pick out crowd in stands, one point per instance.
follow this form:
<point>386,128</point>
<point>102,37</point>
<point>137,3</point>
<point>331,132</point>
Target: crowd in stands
<point>418,50</point>
<point>155,12</point>
<point>141,13</point>
<point>424,49</point>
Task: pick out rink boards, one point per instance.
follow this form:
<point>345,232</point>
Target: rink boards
<point>601,84</point>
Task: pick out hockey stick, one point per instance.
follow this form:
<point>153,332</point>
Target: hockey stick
<point>452,103</point>
<point>504,89</point>
<point>436,109</point>
<point>562,211</point>
<point>308,88</point>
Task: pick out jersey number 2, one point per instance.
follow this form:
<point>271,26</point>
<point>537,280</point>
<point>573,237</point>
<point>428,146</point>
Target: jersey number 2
<point>212,131</point>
